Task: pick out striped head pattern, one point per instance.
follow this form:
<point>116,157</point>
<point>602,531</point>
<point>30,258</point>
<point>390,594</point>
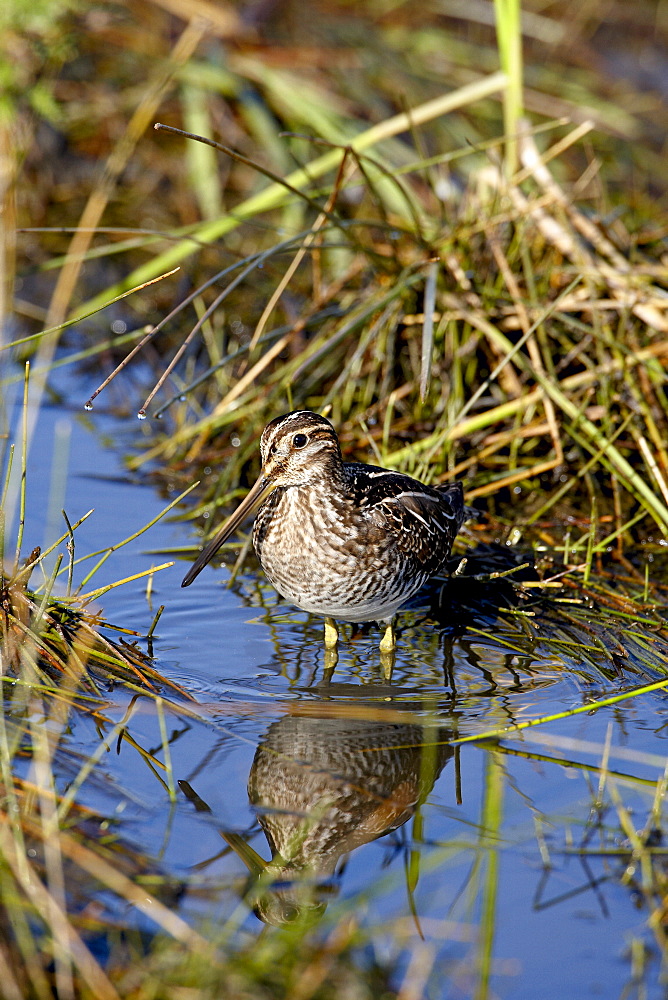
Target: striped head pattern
<point>299,447</point>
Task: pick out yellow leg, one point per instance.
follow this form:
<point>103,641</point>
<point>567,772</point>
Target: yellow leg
<point>388,643</point>
<point>331,634</point>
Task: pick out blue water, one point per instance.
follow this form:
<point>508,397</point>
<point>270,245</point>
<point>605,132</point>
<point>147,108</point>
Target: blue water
<point>329,757</point>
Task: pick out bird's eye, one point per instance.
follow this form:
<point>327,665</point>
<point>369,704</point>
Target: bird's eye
<point>299,440</point>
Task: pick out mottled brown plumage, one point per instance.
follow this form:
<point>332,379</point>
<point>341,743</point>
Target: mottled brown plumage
<point>340,539</point>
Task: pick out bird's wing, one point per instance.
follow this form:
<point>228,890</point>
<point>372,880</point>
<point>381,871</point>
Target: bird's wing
<point>423,520</point>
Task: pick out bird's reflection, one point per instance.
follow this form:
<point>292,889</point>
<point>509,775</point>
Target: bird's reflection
<point>323,787</point>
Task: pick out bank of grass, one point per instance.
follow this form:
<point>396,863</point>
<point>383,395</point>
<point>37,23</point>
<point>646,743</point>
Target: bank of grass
<point>520,347</point>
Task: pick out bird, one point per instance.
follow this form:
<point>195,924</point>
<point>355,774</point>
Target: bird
<point>345,540</point>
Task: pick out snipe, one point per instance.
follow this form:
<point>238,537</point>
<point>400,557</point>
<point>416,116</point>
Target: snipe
<point>340,539</point>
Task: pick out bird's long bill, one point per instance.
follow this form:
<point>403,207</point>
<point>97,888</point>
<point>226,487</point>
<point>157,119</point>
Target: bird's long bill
<point>258,493</point>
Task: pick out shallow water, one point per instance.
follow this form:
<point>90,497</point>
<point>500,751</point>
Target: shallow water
<point>356,780</point>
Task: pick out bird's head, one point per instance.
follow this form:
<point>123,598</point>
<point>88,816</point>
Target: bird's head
<point>298,448</point>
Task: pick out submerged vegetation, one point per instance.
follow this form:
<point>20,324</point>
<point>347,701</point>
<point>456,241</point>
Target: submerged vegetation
<point>468,294</point>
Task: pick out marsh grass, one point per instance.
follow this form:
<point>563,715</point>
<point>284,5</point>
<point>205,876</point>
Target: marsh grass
<point>58,662</point>
<point>622,841</point>
<point>545,368</point>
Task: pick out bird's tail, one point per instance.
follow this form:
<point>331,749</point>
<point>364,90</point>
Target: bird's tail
<point>455,494</point>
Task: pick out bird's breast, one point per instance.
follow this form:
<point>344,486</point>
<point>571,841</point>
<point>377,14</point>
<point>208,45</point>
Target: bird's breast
<point>329,556</point>
<point>296,534</point>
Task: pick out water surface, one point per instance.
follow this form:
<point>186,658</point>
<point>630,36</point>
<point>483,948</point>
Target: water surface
<point>351,785</point>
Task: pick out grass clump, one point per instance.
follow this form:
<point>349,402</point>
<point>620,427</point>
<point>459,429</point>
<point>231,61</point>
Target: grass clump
<point>58,666</point>
<point>61,645</point>
<point>286,963</point>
